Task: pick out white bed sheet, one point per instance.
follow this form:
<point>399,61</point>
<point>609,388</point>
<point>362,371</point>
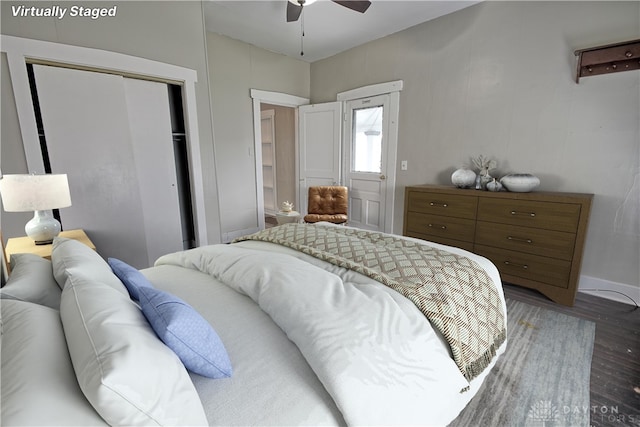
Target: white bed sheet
<point>272,384</point>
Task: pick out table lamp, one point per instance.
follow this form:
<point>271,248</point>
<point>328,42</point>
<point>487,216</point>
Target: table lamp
<point>38,193</point>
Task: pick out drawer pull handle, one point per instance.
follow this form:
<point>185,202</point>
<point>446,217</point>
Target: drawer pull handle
<point>531,214</point>
<point>524,266</point>
<point>443,227</point>
<point>444,205</point>
<point>518,239</point>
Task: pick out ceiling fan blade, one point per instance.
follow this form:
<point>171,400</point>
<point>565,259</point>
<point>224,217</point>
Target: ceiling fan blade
<point>358,6</point>
<point>293,12</point>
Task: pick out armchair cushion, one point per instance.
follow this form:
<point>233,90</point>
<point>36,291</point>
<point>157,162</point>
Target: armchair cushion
<point>327,203</point>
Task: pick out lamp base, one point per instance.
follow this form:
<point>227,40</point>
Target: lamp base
<point>42,228</point>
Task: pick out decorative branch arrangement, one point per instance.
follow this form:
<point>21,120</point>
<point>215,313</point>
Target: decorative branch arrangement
<point>484,164</point>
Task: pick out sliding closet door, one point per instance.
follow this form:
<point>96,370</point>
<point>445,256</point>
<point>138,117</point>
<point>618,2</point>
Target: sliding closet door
<point>90,136</point>
<point>150,124</point>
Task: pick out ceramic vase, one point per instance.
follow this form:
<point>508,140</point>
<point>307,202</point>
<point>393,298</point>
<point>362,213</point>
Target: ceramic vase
<point>494,185</point>
<point>520,182</point>
<point>463,178</point>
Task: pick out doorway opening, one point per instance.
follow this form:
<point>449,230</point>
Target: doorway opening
<point>278,142</point>
<point>271,100</point>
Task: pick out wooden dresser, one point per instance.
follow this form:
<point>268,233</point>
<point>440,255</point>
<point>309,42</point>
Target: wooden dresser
<point>535,239</point>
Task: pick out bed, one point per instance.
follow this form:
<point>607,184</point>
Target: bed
<point>312,325</point>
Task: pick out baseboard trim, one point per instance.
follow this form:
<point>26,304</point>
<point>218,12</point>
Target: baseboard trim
<point>609,290</point>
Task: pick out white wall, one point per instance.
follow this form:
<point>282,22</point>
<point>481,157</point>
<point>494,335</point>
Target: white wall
<point>498,79</point>
<point>170,32</point>
<point>236,68</point>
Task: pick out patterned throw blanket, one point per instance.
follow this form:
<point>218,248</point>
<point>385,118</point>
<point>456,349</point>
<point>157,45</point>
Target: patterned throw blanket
<point>453,292</point>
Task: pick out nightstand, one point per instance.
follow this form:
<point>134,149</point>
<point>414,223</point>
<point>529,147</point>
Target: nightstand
<point>287,217</point>
<point>21,245</point>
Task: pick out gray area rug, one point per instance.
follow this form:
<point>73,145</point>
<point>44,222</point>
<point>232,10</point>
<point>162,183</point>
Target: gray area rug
<point>543,377</point>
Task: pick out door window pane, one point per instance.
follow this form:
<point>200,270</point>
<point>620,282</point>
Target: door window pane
<point>367,135</point>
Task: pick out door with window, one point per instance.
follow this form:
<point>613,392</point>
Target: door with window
<point>366,161</point>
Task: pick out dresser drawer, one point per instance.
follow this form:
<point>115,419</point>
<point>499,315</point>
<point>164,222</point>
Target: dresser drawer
<point>443,204</point>
<point>467,246</point>
<point>530,213</point>
<point>551,271</point>
<point>441,226</point>
<point>554,244</point>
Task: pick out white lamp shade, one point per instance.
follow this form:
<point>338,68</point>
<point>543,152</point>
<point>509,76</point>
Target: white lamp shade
<point>23,193</point>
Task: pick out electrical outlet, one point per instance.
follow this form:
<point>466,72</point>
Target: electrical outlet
<point>403,165</point>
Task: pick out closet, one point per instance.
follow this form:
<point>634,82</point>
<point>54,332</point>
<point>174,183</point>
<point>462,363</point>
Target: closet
<point>121,143</point>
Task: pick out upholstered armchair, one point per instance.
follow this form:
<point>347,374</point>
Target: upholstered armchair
<point>327,203</point>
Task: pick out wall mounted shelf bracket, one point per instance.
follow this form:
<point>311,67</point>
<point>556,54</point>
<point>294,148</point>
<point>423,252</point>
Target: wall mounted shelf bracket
<point>612,58</point>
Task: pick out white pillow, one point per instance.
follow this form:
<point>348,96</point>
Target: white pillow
<point>69,253</point>
<point>32,280</point>
<point>129,376</point>
<point>39,386</point>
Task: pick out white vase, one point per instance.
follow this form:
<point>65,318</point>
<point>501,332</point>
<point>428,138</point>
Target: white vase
<point>463,178</point>
<point>520,182</point>
<point>494,185</point>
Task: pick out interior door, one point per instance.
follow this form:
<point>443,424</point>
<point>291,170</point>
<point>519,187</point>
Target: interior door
<point>123,196</point>
<point>320,148</point>
<point>366,161</point>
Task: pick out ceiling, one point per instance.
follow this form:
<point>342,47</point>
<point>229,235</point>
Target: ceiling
<point>329,28</point>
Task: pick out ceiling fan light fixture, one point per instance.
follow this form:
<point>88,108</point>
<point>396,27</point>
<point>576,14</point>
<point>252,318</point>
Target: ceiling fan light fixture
<point>294,7</point>
<point>302,2</point>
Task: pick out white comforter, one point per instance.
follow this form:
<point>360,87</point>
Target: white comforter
<point>372,349</point>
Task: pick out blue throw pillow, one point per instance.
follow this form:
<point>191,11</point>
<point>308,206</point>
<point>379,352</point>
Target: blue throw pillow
<point>129,276</point>
<point>187,333</point>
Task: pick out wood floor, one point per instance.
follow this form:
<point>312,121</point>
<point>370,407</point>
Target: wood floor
<point>270,221</point>
<point>615,367</point>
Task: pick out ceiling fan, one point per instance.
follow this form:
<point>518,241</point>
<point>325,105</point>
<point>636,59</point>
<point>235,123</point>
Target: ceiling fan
<point>294,7</point>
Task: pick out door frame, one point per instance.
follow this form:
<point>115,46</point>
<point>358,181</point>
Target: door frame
<point>274,98</point>
<point>21,51</point>
<point>393,90</point>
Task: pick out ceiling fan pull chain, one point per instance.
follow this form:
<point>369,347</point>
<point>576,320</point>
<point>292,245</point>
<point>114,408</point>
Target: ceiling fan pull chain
<point>302,33</point>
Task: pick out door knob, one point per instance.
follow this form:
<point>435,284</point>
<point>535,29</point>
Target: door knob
<point>382,177</point>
